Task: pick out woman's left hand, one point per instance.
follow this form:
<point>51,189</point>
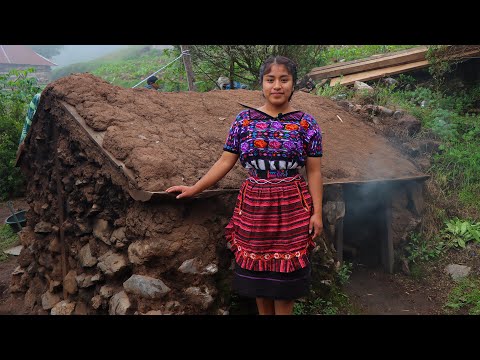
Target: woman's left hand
<point>316,225</point>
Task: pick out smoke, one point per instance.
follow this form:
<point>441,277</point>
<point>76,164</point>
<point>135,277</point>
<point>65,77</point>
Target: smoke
<point>72,54</point>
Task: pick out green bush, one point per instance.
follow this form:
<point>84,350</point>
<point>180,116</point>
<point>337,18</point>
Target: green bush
<point>8,238</point>
<point>16,92</point>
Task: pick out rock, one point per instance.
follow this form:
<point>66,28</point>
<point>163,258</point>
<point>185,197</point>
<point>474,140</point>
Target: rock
<point>63,308</point>
<point>190,266</point>
<point>49,300</point>
<point>119,304</point>
<point>118,238</point>
<point>146,287</point>
<point>15,251</point>
<point>199,296</point>
<point>111,263</point>
<point>383,111</point>
<point>359,85</point>
<point>102,230</point>
<point>457,272</point>
<point>107,291</point>
<point>43,227</point>
<point>96,302</point>
<point>85,257</point>
<point>70,283</point>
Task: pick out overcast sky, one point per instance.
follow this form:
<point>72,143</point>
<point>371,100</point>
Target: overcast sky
<point>79,53</point>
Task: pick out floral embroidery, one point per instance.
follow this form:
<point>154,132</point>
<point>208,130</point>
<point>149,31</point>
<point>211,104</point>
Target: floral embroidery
<point>260,143</point>
<point>289,145</point>
<point>276,125</point>
<point>261,125</point>
<point>268,256</point>
<point>245,122</point>
<point>274,144</point>
<point>304,124</point>
<point>291,127</point>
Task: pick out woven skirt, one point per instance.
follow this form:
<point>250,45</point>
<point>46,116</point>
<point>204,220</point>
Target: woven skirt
<point>268,234</point>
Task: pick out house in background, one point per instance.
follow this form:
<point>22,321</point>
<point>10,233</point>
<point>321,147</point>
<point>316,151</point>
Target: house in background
<point>22,57</point>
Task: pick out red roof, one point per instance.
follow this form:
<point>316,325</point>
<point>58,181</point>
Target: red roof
<point>22,55</point>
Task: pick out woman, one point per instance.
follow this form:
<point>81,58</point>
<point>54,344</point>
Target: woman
<point>276,215</point>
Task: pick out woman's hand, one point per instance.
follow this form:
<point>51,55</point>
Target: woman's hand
<point>316,225</point>
<point>185,191</point>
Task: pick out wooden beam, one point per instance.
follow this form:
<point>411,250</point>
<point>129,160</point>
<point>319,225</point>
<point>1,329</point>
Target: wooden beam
<point>370,63</point>
<point>378,73</point>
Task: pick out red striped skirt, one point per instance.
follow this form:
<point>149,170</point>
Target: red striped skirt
<point>269,227</point>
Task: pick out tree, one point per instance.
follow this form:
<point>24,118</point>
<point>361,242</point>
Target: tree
<point>242,62</point>
<point>47,51</point>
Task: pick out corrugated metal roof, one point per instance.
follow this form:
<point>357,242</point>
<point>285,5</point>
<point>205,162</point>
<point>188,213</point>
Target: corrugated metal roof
<point>22,55</point>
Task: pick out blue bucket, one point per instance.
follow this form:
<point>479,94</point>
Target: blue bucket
<point>21,219</point>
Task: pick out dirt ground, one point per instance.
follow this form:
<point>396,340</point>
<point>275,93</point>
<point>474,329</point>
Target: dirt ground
<point>371,291</point>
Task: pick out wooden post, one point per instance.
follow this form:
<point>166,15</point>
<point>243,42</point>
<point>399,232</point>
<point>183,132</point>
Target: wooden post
<point>387,252</point>
<point>61,231</point>
<point>187,61</point>
<point>339,240</point>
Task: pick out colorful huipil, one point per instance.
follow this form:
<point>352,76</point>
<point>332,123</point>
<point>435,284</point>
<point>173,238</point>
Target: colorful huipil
<point>269,227</point>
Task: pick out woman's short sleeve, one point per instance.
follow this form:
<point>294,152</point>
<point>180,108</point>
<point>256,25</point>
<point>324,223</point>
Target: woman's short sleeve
<point>313,136</point>
<point>232,144</point>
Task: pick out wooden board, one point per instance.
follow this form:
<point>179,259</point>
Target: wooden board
<point>370,63</point>
<point>378,73</point>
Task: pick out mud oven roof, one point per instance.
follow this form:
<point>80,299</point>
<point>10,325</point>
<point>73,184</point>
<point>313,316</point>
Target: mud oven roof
<point>160,139</point>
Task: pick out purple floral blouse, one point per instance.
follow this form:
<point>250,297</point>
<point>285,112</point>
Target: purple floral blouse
<point>274,144</point>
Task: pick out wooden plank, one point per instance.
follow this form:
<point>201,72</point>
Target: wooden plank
<point>373,57</point>
<point>378,73</point>
<point>392,59</point>
<point>97,137</point>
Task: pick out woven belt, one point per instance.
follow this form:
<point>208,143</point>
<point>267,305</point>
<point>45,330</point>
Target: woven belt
<point>274,180</point>
<point>273,174</point>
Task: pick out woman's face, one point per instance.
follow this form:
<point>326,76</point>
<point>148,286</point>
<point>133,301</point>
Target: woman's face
<point>277,85</point>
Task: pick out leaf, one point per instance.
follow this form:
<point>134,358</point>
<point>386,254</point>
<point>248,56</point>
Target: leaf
<point>461,243</point>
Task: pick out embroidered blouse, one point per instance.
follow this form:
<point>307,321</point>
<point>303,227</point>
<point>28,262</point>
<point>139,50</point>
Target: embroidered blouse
<point>272,143</point>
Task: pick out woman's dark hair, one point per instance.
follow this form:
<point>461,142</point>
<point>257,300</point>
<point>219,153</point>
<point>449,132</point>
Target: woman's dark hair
<point>279,60</point>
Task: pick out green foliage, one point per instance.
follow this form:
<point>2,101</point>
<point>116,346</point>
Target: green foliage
<point>343,274</point>
<point>16,92</point>
<point>335,303</point>
<point>459,232</point>
<point>438,67</point>
<point>8,238</point>
<point>336,53</point>
<point>465,295</point>
<point>337,91</point>
<point>128,73</point>
<point>447,113</point>
<point>242,62</point>
<point>419,249</point>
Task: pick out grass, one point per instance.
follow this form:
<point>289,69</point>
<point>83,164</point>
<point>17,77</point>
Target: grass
<point>465,297</point>
<point>8,238</point>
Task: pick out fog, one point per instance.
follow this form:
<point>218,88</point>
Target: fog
<point>71,54</point>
